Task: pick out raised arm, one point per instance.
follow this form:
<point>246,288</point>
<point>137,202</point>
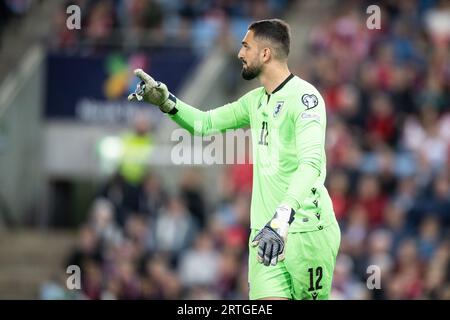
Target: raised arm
<point>230,116</point>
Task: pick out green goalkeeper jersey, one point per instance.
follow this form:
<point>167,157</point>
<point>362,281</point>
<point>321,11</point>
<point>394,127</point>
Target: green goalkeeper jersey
<point>288,141</point>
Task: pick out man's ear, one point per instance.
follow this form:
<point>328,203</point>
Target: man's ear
<point>266,54</point>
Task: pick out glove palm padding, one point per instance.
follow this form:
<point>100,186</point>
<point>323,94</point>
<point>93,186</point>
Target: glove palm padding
<point>271,240</point>
<point>270,246</point>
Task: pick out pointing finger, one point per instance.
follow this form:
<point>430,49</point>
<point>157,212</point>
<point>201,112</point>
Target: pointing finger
<point>145,77</point>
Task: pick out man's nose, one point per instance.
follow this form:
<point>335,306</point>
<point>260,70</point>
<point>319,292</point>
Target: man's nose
<point>240,57</point>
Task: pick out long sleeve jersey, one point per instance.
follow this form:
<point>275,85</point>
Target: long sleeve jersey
<point>288,148</point>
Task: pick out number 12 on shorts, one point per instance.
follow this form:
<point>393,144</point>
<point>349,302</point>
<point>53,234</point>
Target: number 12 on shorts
<point>315,276</point>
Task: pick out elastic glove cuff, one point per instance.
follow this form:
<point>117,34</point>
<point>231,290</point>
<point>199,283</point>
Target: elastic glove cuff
<point>282,219</point>
<point>169,105</point>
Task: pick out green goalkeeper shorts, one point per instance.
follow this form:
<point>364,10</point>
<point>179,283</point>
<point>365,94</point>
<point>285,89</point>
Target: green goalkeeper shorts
<point>305,273</point>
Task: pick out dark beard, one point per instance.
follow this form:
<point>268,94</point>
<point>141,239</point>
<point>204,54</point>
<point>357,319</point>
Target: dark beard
<point>250,73</point>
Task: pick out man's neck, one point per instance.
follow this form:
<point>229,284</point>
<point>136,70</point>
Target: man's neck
<point>273,76</point>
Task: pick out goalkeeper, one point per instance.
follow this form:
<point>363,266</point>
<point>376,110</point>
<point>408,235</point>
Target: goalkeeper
<point>294,234</point>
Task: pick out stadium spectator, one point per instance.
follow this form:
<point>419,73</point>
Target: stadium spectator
<point>136,149</point>
<point>153,195</point>
<point>191,191</point>
<point>174,227</point>
<point>199,266</point>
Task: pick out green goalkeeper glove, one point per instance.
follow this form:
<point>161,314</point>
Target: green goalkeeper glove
<point>271,240</point>
<point>153,92</point>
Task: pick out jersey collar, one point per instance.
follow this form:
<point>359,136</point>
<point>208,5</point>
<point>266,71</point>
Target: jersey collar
<point>281,84</point>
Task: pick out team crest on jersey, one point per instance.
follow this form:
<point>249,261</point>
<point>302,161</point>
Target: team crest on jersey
<point>277,108</point>
<point>310,101</point>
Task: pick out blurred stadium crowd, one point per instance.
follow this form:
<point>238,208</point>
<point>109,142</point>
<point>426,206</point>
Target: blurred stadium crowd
<point>388,146</point>
<point>11,10</point>
<point>388,99</point>
<point>127,24</point>
<point>387,94</point>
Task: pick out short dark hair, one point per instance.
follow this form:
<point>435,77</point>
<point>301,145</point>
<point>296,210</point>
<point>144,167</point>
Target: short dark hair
<point>276,31</point>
